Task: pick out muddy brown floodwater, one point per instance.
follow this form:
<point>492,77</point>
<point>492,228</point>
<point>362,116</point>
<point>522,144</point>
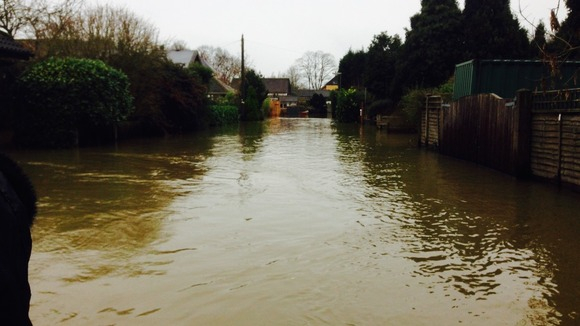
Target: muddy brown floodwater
<point>296,222</point>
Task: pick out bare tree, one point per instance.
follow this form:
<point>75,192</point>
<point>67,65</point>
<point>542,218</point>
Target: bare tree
<point>316,68</point>
<point>122,26</point>
<point>225,65</point>
<point>557,45</point>
<point>38,16</point>
<point>22,17</point>
<point>178,45</point>
<point>293,73</point>
<point>14,16</point>
<point>96,32</point>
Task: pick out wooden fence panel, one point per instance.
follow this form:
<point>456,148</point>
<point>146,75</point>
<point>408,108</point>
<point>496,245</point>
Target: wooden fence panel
<point>545,145</point>
<point>495,137</point>
<point>480,129</point>
<point>570,149</point>
<point>458,130</point>
<point>430,121</point>
<point>539,134</point>
<point>556,136</point>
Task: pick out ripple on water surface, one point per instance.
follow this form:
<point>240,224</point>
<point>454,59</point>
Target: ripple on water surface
<point>300,222</point>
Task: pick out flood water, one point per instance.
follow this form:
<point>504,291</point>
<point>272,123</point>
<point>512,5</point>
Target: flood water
<point>296,222</point>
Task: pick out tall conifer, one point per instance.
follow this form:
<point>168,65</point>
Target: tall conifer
<point>570,31</point>
<point>539,42</point>
<point>432,45</point>
<point>491,31</point>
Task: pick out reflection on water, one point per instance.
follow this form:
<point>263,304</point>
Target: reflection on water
<point>296,222</point>
<point>468,231</point>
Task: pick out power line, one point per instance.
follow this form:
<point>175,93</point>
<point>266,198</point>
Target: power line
<point>270,46</point>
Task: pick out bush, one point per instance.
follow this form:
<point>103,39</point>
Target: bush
<point>58,98</point>
<point>266,107</point>
<point>318,105</point>
<point>347,105</point>
<point>222,115</point>
<point>412,103</point>
<point>231,98</point>
<point>253,109</point>
<point>384,107</point>
<point>183,101</point>
<point>447,88</point>
<point>255,93</point>
<point>414,100</point>
<point>203,73</point>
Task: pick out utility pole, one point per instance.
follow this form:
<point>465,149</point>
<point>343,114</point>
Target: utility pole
<point>243,85</point>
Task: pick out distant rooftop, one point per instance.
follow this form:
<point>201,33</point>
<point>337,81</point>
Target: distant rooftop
<point>183,57</point>
<point>273,85</point>
<point>186,57</point>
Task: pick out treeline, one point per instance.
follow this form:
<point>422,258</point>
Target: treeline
<point>161,97</point>
<point>440,36</point>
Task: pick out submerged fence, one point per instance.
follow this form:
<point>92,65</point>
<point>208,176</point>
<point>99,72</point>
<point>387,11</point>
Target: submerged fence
<point>534,134</point>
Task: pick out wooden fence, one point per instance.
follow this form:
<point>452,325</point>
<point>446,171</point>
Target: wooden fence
<point>430,121</point>
<point>536,134</point>
<point>555,145</point>
<point>482,128</point>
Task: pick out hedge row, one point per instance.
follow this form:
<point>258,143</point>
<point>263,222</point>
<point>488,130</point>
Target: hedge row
<point>58,98</point>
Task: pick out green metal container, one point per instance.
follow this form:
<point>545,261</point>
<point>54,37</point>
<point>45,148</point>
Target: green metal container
<point>505,77</point>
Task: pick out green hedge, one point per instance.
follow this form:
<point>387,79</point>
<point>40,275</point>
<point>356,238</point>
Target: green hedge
<point>59,98</point>
<point>347,105</point>
<point>266,107</point>
<point>413,101</point>
<point>223,115</point>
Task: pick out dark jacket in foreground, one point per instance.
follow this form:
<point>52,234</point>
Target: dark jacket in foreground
<point>17,211</point>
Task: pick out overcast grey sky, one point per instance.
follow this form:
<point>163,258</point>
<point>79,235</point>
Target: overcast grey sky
<point>277,32</point>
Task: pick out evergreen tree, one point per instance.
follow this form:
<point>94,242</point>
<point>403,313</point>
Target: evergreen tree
<point>382,57</point>
<point>539,42</point>
<point>431,49</point>
<point>256,93</point>
<point>352,69</point>
<point>570,31</point>
<point>492,32</point>
<point>253,107</point>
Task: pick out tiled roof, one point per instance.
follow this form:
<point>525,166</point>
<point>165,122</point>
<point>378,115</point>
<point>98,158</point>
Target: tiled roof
<point>334,81</point>
<point>11,49</point>
<point>216,86</point>
<point>277,85</point>
<point>310,92</point>
<point>236,83</point>
<point>185,57</point>
<point>273,85</point>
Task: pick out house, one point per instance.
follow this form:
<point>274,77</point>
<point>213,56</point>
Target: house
<point>216,88</point>
<point>306,94</point>
<point>186,57</point>
<point>288,101</point>
<point>333,84</point>
<point>277,87</point>
<point>279,90</point>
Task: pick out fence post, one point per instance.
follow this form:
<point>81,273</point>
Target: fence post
<point>427,121</point>
<point>523,134</point>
